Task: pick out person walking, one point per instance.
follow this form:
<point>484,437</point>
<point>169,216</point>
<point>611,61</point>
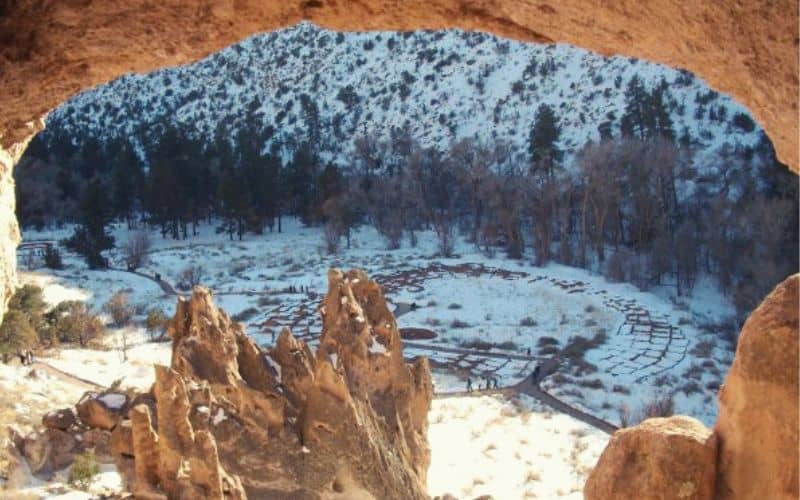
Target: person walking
<point>535,377</point>
<point>469,384</point>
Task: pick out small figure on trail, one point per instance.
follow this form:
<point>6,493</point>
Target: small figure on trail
<point>529,351</point>
<point>535,378</point>
<point>158,276</point>
<point>469,384</point>
<point>273,336</point>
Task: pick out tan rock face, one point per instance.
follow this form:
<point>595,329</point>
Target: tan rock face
<point>235,422</point>
<point>50,50</point>
<point>758,418</point>
<point>659,459</point>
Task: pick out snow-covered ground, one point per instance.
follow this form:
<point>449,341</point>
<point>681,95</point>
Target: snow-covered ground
<point>646,343</point>
<point>489,445</point>
<point>510,449</point>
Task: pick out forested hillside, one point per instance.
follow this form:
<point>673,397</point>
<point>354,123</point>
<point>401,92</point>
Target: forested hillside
<point>546,152</point>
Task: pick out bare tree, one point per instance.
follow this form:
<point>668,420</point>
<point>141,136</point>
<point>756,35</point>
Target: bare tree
<point>190,277</point>
<point>137,249</point>
<point>119,308</point>
<point>601,195</point>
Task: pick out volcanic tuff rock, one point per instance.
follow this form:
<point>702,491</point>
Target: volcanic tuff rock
<point>60,419</point>
<point>660,459</point>
<point>758,416</point>
<point>756,434</point>
<point>234,421</point>
<point>46,451</point>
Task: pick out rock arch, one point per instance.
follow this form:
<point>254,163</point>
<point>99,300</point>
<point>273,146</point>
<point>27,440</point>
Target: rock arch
<point>51,49</point>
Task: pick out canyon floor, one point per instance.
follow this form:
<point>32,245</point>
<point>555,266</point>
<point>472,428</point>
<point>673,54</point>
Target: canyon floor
<point>607,348</point>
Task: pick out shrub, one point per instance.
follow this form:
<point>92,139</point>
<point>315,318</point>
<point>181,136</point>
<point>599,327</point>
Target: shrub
<point>246,315</point>
<point>508,345</point>
<point>268,301</point>
<point>475,344</point>
<point>52,258</point>
<point>331,236</point>
<point>155,323</point>
<point>690,387</point>
<point>546,341</point>
<point>454,306</point>
<point>457,323</point>
<point>17,333</point>
<point>72,321</point>
<point>83,470</point>
<point>703,349</point>
<point>660,405</point>
<point>24,316</point>
<point>620,389</point>
<point>190,277</point>
<point>592,384</point>
<point>28,300</point>
<point>527,321</point>
<point>137,249</point>
<point>119,308</point>
<point>615,268</point>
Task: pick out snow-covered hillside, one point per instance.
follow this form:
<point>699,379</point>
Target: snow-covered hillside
<point>309,83</point>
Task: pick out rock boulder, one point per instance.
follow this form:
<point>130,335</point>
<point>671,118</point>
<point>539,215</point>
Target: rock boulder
<point>659,459</point>
<point>758,417</point>
<point>102,410</point>
<point>47,451</point>
<point>60,419</point>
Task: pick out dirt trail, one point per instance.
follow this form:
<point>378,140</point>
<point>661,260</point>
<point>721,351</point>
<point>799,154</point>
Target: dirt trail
<point>166,287</point>
<point>66,376</point>
<point>533,390</point>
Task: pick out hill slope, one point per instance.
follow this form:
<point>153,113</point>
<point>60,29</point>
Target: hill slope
<point>307,82</point>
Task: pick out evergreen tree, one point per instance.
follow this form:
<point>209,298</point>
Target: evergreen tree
<point>127,180</point>
<point>90,238</point>
<point>634,122</point>
<point>543,147</point>
<point>661,122</point>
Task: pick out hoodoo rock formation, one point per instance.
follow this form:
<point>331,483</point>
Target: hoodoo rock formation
<point>52,49</point>
<point>756,433</point>
<point>232,421</point>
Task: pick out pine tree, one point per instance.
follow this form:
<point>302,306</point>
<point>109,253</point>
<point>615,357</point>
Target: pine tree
<point>634,122</point>
<point>660,119</point>
<point>127,180</point>
<point>90,238</point>
<point>543,147</point>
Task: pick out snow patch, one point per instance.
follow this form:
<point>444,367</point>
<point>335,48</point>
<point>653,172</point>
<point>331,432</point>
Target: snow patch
<point>113,400</point>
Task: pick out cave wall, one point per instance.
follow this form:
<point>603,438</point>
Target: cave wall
<point>51,49</point>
